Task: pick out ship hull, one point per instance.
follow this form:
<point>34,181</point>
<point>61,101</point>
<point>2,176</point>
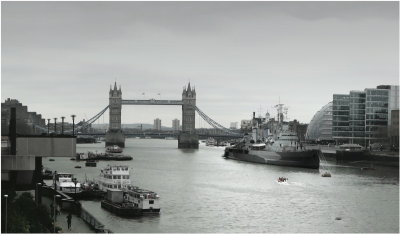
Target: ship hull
<point>304,159</point>
<point>118,209</point>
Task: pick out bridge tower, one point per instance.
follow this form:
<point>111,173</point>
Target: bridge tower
<point>114,135</point>
<point>188,139</point>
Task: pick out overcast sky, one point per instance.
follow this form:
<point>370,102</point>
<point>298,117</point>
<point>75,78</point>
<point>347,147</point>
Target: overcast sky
<point>60,58</point>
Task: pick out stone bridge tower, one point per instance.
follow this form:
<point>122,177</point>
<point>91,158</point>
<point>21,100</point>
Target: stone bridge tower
<point>188,138</point>
<point>114,134</point>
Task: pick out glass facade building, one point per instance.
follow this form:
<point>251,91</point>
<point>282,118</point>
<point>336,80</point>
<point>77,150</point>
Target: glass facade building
<point>340,118</point>
<point>320,127</point>
<point>357,117</point>
<point>376,114</point>
<point>362,117</point>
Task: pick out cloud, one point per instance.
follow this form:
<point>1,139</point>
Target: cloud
<point>61,57</point>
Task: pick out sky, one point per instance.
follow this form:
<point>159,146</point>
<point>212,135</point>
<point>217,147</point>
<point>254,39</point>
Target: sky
<point>60,58</point>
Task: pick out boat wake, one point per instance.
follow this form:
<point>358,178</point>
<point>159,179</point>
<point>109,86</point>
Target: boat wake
<point>283,183</point>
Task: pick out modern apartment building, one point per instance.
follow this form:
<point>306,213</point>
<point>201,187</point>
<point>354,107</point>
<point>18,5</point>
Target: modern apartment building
<point>363,117</point>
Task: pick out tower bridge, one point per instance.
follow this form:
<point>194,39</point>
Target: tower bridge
<point>187,137</point>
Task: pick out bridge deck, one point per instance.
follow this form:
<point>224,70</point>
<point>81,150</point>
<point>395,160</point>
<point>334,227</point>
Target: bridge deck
<point>152,102</point>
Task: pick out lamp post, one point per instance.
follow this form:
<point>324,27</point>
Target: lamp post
<point>62,125</point>
<point>73,124</point>
<point>48,126</point>
<point>37,193</point>
<point>55,215</point>
<point>6,196</point>
<point>55,125</point>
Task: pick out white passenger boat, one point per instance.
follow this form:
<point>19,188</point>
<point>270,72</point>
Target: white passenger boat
<point>116,177</point>
<point>66,183</point>
<point>143,199</point>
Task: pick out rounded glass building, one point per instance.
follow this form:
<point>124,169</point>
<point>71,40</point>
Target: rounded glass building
<point>320,127</point>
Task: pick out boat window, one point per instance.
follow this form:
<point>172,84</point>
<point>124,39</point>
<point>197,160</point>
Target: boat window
<point>151,201</point>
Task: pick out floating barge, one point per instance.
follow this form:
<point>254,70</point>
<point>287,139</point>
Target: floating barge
<point>116,204</point>
<point>102,156</point>
<point>131,202</point>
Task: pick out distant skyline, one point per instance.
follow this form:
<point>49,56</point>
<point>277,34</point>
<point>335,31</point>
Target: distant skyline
<point>60,58</point>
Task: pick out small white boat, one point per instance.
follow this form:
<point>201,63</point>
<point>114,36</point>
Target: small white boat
<point>114,149</point>
<point>66,183</point>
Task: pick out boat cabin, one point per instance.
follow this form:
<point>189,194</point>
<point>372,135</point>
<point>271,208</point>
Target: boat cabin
<point>116,177</point>
<point>258,147</point>
<point>66,183</point>
<point>142,198</point>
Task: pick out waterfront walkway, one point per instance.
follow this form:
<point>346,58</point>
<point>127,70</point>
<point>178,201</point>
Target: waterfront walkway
<point>77,224</point>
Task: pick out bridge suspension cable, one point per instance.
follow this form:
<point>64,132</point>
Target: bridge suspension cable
<point>87,123</point>
<point>215,124</point>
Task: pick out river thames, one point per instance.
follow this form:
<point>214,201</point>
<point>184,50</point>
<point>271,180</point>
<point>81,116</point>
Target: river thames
<point>200,191</point>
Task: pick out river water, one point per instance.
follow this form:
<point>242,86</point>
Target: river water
<point>200,191</point>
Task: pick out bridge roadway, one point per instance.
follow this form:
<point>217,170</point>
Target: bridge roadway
<point>152,102</point>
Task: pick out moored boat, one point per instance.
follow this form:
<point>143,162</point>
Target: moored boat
<point>144,199</point>
<point>114,149</point>
<point>123,198</point>
<point>103,156</point>
<point>281,147</point>
<point>90,163</point>
<point>115,203</point>
<point>66,183</point>
<point>47,174</point>
<point>114,177</point>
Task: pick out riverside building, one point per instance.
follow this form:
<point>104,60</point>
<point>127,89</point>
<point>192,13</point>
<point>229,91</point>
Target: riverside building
<point>28,123</point>
<point>363,117</point>
<point>320,127</point>
<point>157,124</point>
<point>175,125</point>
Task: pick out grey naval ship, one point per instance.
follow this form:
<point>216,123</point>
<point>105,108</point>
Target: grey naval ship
<point>273,142</point>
